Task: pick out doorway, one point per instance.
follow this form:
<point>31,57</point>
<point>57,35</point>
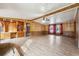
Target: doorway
<point>55,29</point>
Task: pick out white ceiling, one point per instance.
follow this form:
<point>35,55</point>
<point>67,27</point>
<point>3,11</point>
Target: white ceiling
<point>28,10</point>
<point>59,17</point>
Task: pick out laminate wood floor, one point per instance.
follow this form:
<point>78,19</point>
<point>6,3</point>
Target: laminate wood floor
<point>51,45</point>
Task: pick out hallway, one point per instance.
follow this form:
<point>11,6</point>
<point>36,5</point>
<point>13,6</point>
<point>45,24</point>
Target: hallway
<point>51,45</point>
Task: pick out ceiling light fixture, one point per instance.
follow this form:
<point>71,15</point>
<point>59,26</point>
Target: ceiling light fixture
<point>43,8</point>
<point>43,20</point>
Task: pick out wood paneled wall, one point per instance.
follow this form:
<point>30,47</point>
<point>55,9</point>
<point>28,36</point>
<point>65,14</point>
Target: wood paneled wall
<point>69,26</point>
<point>37,28</point>
<point>69,29</point>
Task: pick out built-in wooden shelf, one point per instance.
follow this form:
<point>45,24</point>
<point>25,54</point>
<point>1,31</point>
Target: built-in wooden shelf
<point>5,35</point>
<point>12,28</point>
<point>13,35</point>
<point>20,34</point>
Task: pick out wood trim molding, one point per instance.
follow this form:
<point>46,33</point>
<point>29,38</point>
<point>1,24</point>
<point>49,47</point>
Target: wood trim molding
<point>59,10</point>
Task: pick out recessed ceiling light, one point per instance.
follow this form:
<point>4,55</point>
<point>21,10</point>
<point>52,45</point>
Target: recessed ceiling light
<point>42,8</point>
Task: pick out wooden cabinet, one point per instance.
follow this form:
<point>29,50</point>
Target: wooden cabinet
<point>20,34</point>
<point>5,36</point>
<point>12,28</point>
<point>20,26</point>
<point>13,35</point>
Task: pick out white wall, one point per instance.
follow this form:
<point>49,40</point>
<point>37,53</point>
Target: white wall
<point>62,17</point>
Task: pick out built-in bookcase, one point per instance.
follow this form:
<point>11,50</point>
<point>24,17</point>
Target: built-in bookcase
<point>20,29</point>
<point>11,28</point>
